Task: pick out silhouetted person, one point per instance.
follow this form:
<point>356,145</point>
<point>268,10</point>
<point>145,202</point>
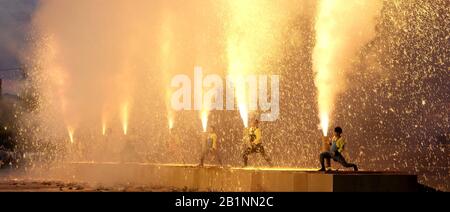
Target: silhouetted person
<point>254,145</point>
<point>337,147</point>
<point>211,146</point>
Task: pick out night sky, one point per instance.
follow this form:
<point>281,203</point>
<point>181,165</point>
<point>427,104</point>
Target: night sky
<point>15,18</point>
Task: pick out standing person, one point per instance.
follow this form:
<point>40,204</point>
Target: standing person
<point>335,153</point>
<point>211,147</point>
<point>252,138</point>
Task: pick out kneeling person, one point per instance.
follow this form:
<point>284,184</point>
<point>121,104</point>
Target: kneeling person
<point>337,146</point>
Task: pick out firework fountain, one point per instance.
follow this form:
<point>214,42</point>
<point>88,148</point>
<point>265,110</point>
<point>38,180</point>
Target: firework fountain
<point>103,71</point>
<point>342,28</point>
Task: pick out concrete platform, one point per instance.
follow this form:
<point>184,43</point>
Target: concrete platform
<point>193,178</point>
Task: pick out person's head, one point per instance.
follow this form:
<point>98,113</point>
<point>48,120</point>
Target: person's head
<point>255,123</point>
<point>212,128</point>
<point>337,131</point>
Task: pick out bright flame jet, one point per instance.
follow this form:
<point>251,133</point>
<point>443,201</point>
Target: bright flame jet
<point>124,117</point>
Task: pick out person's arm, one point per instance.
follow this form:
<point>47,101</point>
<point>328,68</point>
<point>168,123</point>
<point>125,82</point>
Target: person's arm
<point>258,136</point>
<point>214,142</point>
<point>340,144</point>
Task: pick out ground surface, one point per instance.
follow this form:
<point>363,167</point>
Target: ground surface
<point>21,181</point>
<point>28,185</point>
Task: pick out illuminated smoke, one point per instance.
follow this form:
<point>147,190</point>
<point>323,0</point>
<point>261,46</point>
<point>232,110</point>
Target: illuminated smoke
<point>342,28</point>
<point>252,31</point>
